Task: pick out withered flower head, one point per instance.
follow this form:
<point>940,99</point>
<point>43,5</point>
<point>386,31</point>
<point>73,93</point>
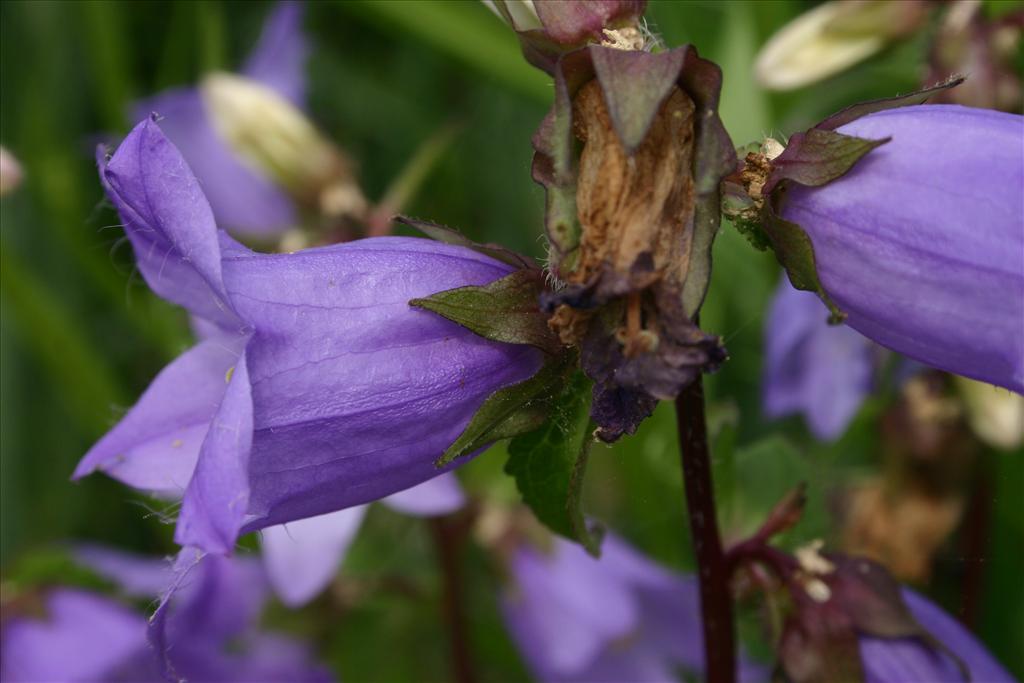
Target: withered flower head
<point>631,156</point>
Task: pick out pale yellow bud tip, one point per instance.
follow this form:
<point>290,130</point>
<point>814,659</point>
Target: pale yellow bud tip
<point>832,37</point>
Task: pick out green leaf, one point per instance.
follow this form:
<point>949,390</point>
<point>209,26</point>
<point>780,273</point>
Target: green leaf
<point>511,411</point>
<point>856,111</point>
<point>505,310</point>
<point>818,157</point>
<point>549,464</point>
<point>795,252</point>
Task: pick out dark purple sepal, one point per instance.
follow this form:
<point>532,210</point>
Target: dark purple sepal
<point>506,310</point>
<point>441,233</point>
<point>818,157</point>
<point>818,645</point>
<point>616,409</point>
<point>572,21</point>
<point>856,111</point>
<point>550,462</point>
<point>567,25</point>
<point>684,351</point>
<point>512,410</point>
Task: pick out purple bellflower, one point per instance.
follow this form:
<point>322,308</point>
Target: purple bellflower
<point>822,371</point>
<point>320,387</point>
<point>921,243</point>
<point>243,199</point>
<point>887,660</point>
<point>302,557</point>
<point>211,629</point>
<point>617,618</point>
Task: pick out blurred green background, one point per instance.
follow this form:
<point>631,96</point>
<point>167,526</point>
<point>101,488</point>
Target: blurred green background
<point>82,335</point>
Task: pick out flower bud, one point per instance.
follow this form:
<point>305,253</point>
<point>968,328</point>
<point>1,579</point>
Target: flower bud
<point>832,37</point>
<point>275,138</point>
<point>549,29</point>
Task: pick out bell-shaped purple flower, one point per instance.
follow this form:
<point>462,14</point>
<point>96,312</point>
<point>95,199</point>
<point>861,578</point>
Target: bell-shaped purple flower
<point>810,367</point>
<point>617,618</point>
<point>886,660</point>
<point>302,557</point>
<point>243,198</point>
<point>211,629</point>
<point>323,388</point>
<point>921,243</point>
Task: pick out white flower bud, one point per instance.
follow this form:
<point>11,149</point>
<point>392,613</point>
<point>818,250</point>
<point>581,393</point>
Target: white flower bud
<point>276,139</point>
<point>832,37</point>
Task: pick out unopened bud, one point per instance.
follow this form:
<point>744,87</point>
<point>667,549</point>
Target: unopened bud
<point>996,416</point>
<point>521,15</point>
<point>833,37</point>
<point>276,139</point>
<point>10,172</point>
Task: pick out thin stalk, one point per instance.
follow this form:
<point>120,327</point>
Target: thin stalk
<point>448,538</point>
<point>715,596</point>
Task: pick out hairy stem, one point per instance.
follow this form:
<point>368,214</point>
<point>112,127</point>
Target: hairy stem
<point>715,596</point>
<point>448,537</point>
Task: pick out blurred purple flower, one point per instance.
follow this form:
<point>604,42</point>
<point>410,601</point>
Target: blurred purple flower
<point>243,199</point>
<point>887,660</point>
<point>822,371</point>
<point>323,390</point>
<point>302,557</point>
<point>211,629</point>
<point>617,618</point>
<point>921,242</point>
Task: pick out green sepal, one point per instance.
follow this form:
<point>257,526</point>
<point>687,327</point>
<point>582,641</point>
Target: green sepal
<point>818,157</point>
<point>505,310</point>
<point>795,252</point>
<point>511,411</point>
<point>856,111</point>
<point>441,233</point>
<point>549,465</point>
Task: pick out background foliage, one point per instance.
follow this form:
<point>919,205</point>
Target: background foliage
<point>82,336</point>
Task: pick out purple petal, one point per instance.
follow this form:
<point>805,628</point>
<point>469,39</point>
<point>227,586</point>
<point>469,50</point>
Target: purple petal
<point>909,659</point>
<point>355,392</point>
<point>242,198</point>
<point>217,498</point>
<point>84,637</point>
<point>302,557</point>
<point>811,367</point>
<point>438,496</point>
<point>135,575</point>
<point>168,221</point>
<point>554,615</point>
<point>279,59</point>
<point>203,628</point>
<point>921,242</point>
<point>155,446</point>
